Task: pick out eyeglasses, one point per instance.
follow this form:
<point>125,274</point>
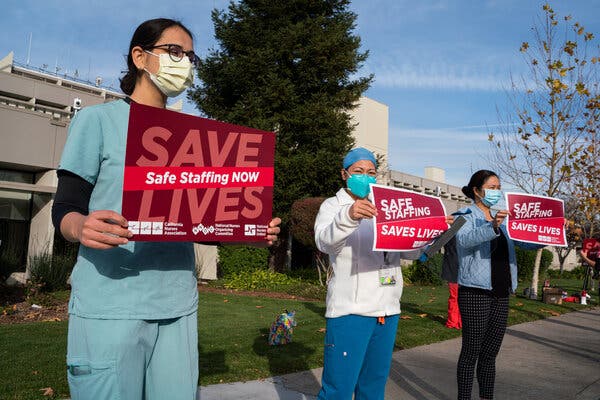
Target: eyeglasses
<point>360,171</point>
<point>176,53</point>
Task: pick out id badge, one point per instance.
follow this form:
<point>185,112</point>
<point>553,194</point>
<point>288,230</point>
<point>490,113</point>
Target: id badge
<point>387,275</point>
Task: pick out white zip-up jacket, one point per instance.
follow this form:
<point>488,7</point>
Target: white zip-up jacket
<point>354,287</point>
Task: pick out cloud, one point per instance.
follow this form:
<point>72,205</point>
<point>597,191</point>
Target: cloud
<point>440,76</point>
<point>467,133</point>
<point>378,13</point>
<point>459,151</point>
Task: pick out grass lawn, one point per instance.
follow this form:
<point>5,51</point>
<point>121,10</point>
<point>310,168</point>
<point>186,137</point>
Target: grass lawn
<point>233,333</point>
<point>32,357</point>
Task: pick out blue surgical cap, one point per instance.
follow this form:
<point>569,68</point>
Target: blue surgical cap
<point>357,154</point>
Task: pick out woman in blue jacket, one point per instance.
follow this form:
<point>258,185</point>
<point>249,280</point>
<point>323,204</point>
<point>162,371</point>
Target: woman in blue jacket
<point>487,274</point>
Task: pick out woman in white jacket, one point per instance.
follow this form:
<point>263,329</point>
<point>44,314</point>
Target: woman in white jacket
<point>362,313</point>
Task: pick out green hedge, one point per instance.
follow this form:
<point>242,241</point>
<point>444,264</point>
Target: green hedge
<point>526,262</point>
<point>257,280</point>
<point>271,281</point>
<point>236,259</point>
<point>576,273</point>
<point>50,272</point>
<point>425,273</point>
<point>429,272</point>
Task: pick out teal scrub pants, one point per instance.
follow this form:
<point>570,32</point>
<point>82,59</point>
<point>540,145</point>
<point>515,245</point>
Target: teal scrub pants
<point>133,359</point>
<point>357,357</point>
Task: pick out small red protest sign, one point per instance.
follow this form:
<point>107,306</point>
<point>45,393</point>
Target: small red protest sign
<point>589,244</point>
<point>536,219</point>
<point>406,220</point>
<point>188,178</point>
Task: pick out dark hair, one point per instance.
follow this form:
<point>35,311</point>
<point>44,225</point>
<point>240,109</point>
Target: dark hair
<point>146,35</point>
<point>477,181</point>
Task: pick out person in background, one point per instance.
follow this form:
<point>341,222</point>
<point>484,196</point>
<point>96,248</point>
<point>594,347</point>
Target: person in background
<point>363,294</point>
<point>450,275</point>
<point>487,274</point>
<point>133,307</point>
<point>592,258</point>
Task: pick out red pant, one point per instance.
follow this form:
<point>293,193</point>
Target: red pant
<point>453,320</point>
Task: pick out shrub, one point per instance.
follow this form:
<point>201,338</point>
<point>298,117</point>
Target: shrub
<point>236,259</point>
<point>302,227</point>
<point>576,273</point>
<point>266,280</point>
<point>425,273</point>
<point>50,273</point>
<point>307,290</point>
<point>64,248</point>
<point>302,220</point>
<point>526,262</point>
<point>257,279</point>
<point>9,263</point>
<point>305,274</point>
<point>547,258</point>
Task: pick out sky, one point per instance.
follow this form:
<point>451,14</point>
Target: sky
<point>441,66</point>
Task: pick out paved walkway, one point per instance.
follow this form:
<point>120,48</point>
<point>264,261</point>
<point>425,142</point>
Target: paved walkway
<point>554,358</point>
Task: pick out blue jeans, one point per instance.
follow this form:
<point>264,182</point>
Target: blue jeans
<point>357,357</point>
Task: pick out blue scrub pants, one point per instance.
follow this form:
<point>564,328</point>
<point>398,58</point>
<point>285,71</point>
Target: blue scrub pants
<point>357,357</point>
<point>133,359</point>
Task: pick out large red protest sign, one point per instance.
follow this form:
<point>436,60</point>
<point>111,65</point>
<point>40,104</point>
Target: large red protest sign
<point>188,178</point>
<point>406,220</point>
<point>536,219</point>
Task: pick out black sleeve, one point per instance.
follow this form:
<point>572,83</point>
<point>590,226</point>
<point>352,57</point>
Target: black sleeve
<point>72,194</point>
<point>450,261</point>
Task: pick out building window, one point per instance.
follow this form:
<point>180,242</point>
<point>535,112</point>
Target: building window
<point>15,206</point>
<point>16,176</point>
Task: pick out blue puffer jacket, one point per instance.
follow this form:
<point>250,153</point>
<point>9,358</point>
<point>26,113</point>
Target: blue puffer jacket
<point>474,252</point>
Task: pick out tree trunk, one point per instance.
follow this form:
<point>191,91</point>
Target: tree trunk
<point>318,265</point>
<point>536,275</point>
<point>562,254</point>
<point>288,253</point>
<point>562,265</point>
<point>323,267</point>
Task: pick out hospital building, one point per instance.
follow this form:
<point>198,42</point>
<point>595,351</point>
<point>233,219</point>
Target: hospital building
<point>36,107</point>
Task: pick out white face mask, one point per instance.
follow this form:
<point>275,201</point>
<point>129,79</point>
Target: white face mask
<point>172,77</point>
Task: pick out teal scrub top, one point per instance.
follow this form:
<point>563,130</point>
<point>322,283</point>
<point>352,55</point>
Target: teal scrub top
<point>139,280</point>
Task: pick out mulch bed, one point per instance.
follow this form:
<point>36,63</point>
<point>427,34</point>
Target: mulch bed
<point>15,308</point>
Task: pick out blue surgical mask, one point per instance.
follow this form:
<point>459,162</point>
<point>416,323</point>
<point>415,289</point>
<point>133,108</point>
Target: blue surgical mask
<point>492,196</point>
<point>358,184</point>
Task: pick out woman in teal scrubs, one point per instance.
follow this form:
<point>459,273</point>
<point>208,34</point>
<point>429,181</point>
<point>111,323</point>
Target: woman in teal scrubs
<point>133,307</point>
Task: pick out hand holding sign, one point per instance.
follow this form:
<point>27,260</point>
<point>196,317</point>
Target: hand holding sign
<point>499,218</point>
<point>362,208</point>
<point>102,229</point>
<point>273,230</point>
<point>406,220</point>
